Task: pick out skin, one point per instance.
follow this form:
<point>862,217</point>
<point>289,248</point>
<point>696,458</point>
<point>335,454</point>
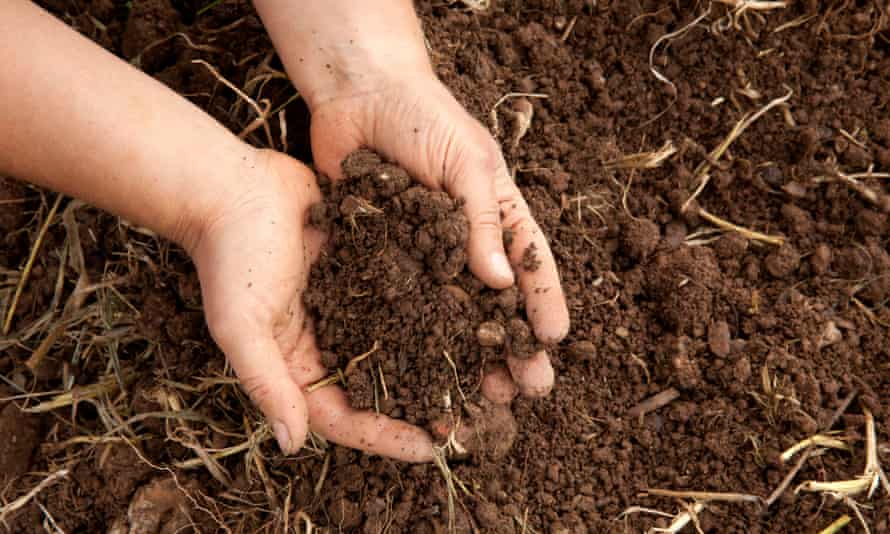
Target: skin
<point>122,141</point>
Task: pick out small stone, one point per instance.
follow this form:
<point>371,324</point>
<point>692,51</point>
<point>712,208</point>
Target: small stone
<point>622,332</point>
<point>795,190</point>
<point>553,472</point>
<point>772,176</point>
<point>583,350</point>
<point>491,334</point>
<point>783,262</point>
<point>830,335</point>
<point>686,369</point>
<point>639,238</point>
<point>742,370</point>
<point>488,516</point>
<point>821,259</point>
<point>458,293</point>
<point>718,339</point>
<point>521,340</point>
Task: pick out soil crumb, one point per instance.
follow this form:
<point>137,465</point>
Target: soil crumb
<point>394,274</point>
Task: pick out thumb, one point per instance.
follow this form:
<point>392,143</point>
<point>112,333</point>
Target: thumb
<point>333,136</point>
<point>264,375</point>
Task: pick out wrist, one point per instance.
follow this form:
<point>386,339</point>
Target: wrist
<point>204,201</point>
<point>338,48</point>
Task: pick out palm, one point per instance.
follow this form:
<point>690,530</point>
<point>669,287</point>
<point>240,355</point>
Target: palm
<point>253,265</point>
<point>420,125</point>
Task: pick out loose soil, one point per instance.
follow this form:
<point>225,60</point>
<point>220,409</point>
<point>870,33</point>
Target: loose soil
<point>393,280</point>
<point>761,343</point>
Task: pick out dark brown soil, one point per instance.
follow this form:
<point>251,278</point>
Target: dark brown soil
<point>761,343</point>
<point>393,279</point>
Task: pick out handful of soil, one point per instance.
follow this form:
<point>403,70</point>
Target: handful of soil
<point>393,280</point>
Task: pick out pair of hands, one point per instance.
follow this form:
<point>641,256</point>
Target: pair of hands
<point>253,260</point>
<point>122,141</point>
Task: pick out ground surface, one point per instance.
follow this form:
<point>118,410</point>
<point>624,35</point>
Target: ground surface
<point>760,343</point>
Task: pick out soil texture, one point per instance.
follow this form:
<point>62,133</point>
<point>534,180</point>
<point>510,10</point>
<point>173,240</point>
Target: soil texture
<point>393,281</point>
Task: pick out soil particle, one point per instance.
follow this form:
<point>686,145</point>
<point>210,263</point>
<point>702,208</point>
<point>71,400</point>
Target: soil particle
<point>821,259</point>
<point>680,282</point>
<point>852,262</point>
<point>489,430</point>
<point>718,338</point>
<point>489,517</point>
<point>530,261</point>
<point>345,513</point>
<point>159,507</point>
<point>149,23</point>
<point>21,436</point>
<point>582,350</point>
<point>871,223</point>
<point>782,262</point>
<point>121,470</point>
<point>639,238</point>
<point>360,386</point>
<point>731,246</point>
<point>685,369</point>
<point>522,343</point>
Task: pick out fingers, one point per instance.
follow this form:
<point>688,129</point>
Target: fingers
<point>264,375</point>
<point>533,375</point>
<point>335,420</point>
<point>497,385</point>
<point>529,251</point>
<point>474,183</point>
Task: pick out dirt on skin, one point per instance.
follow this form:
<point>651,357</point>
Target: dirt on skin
<point>760,343</point>
<point>392,286</point>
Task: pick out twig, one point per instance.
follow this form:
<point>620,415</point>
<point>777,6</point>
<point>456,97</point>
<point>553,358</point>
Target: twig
<point>654,402</point>
<point>24,499</point>
<point>750,234</point>
<point>837,525</point>
<point>644,160</point>
<point>338,376</point>
<point>666,37</point>
<point>261,113</point>
<point>703,496</point>
<point>493,114</point>
<point>805,456</point>
<point>26,272</point>
<point>702,172</point>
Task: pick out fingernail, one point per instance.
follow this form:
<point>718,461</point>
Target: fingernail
<point>501,265</point>
<point>283,437</point>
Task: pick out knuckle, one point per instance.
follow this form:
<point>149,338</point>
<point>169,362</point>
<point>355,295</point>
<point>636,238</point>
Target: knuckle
<point>477,156</point>
<point>257,388</point>
<point>487,218</point>
<point>515,213</point>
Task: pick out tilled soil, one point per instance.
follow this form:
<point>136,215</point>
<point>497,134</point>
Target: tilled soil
<point>754,345</point>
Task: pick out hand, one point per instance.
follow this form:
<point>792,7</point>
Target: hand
<point>253,258</point>
<point>415,121</point>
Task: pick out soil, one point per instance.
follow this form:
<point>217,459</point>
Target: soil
<point>760,343</point>
<point>393,279</point>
